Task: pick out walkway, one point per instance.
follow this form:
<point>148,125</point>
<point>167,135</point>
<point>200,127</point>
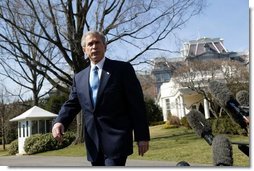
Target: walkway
<point>57,161</point>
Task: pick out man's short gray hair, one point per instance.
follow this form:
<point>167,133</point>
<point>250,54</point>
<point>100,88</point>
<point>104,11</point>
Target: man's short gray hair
<point>102,36</point>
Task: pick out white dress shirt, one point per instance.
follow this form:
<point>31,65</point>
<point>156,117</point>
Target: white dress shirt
<point>99,65</point>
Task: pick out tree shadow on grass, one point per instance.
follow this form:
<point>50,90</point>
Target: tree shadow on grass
<point>185,135</point>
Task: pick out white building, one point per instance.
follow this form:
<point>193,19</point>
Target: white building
<point>173,98</point>
<point>178,101</point>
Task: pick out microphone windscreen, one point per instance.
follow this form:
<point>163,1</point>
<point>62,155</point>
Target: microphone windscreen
<point>222,151</point>
<point>198,122</point>
<point>182,163</point>
<point>220,92</point>
<point>227,101</point>
<point>242,97</point>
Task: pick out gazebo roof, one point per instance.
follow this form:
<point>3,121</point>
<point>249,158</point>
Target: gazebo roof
<point>33,113</point>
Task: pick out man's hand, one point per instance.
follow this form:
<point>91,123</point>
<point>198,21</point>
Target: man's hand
<point>143,147</point>
<point>58,131</point>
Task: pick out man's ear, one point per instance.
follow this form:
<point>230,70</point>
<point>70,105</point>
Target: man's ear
<point>84,49</point>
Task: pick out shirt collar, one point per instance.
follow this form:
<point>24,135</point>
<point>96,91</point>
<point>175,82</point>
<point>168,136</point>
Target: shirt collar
<point>99,64</point>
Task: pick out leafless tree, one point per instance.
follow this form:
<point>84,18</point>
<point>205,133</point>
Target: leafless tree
<point>17,68</point>
<point>138,26</point>
<point>3,115</point>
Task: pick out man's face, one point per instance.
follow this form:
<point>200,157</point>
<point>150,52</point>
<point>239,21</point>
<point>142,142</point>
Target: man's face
<point>94,48</point>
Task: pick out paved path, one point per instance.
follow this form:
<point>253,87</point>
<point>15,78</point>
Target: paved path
<point>57,161</point>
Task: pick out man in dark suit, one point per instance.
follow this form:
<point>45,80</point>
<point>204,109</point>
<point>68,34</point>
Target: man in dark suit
<point>110,96</point>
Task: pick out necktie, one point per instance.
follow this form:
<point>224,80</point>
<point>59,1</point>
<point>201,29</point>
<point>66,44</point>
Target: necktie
<point>94,83</point>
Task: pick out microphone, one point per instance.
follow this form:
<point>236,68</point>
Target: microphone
<point>200,125</point>
<point>203,129</point>
<point>222,151</point>
<point>244,148</point>
<point>226,100</point>
<point>242,97</point>
<point>182,163</point>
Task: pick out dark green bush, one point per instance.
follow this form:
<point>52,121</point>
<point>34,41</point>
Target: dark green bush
<point>13,148</point>
<point>153,111</point>
<point>224,125</point>
<point>45,142</point>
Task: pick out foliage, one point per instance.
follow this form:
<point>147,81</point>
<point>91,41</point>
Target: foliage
<point>172,122</point>
<point>154,113</point>
<point>45,142</point>
<point>13,148</point>
<point>168,126</point>
<point>224,125</point>
<point>12,110</point>
<point>185,123</point>
<point>54,102</point>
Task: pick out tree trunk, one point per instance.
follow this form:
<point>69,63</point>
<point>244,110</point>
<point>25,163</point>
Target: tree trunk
<point>3,133</point>
<point>80,131</point>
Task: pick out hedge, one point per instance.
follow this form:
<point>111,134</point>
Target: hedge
<point>45,142</point>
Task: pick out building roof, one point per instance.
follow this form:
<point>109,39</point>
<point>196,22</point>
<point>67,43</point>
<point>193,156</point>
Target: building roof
<point>202,45</point>
<point>33,113</point>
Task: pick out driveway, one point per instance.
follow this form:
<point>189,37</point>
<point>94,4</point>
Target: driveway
<point>57,161</point>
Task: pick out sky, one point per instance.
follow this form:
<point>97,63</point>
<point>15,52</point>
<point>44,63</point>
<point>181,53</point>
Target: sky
<point>226,19</point>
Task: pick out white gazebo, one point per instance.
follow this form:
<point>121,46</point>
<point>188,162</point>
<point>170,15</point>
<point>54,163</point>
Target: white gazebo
<point>34,121</point>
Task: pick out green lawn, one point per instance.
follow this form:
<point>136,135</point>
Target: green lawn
<point>171,145</point>
<point>4,152</point>
<point>167,144</point>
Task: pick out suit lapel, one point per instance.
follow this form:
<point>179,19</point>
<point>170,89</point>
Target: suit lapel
<point>87,88</point>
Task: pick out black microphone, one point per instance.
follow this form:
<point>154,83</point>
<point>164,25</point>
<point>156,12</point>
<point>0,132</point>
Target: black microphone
<point>203,129</point>
<point>200,125</point>
<point>182,163</point>
<point>226,100</point>
<point>222,151</point>
<point>244,149</point>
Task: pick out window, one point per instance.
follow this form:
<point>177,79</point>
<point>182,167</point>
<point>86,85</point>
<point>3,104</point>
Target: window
<point>41,126</point>
<point>168,106</point>
<point>166,77</point>
<point>48,126</point>
<point>34,127</point>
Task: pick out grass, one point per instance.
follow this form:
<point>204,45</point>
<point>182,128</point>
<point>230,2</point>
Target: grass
<point>4,152</point>
<point>174,144</point>
<point>181,144</point>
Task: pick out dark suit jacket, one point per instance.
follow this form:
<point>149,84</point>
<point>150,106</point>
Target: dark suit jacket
<point>119,110</point>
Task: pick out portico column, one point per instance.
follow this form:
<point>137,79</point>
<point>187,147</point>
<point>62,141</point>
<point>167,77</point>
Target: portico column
<point>182,106</point>
<point>206,106</point>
